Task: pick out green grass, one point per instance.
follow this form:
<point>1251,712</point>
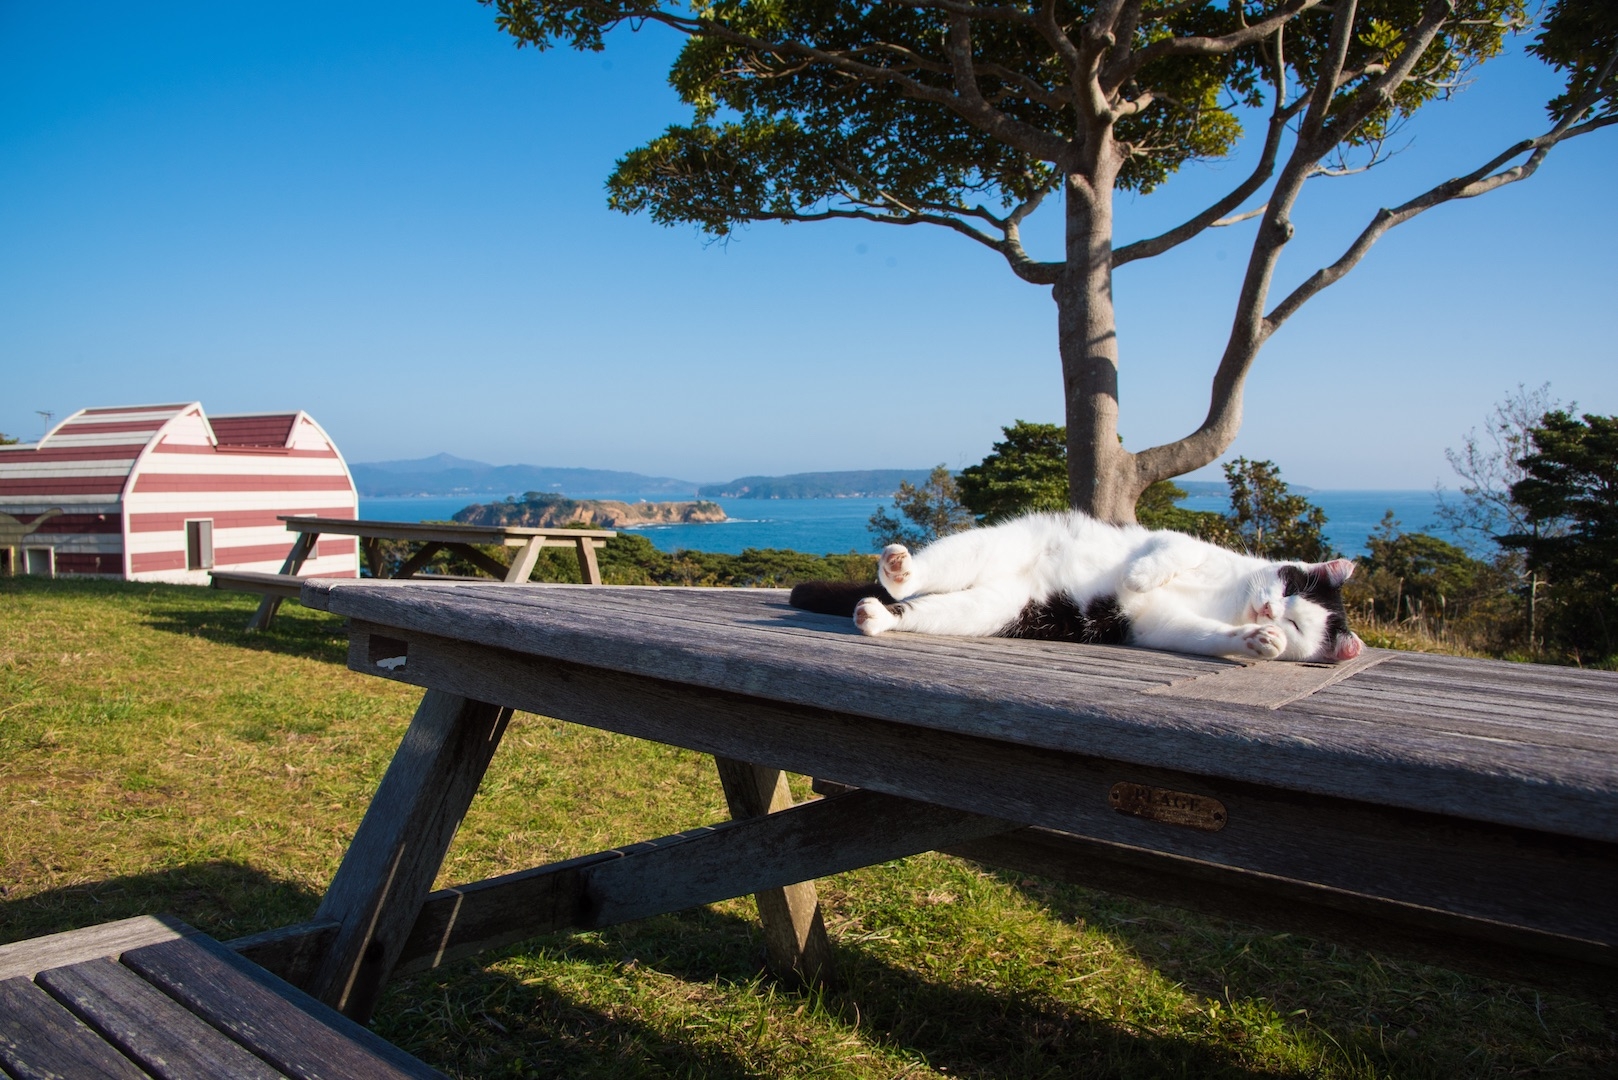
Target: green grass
<point>156,757</point>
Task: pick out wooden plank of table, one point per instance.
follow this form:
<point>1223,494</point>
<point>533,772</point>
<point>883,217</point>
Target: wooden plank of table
<point>286,1027</point>
<point>279,585</point>
<point>1445,761</point>
<point>1270,685</point>
<point>794,930</point>
<point>448,533</point>
<point>1521,877</point>
<point>149,1027</point>
<point>390,865</point>
<point>41,1040</point>
<point>34,955</point>
<point>701,866</point>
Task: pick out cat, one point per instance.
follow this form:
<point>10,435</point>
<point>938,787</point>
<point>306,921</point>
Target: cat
<point>1069,577</point>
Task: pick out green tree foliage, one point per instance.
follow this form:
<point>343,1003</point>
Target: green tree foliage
<point>1026,471</point>
<point>7,440</point>
<point>1570,492</point>
<point>926,512</point>
<point>1266,519</point>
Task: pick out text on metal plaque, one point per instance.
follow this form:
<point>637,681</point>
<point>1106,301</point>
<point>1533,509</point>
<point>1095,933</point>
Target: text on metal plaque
<point>1169,807</point>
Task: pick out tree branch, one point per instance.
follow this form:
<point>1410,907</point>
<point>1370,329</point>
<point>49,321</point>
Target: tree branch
<point>1478,182</point>
<point>1209,46</point>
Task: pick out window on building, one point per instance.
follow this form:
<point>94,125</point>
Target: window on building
<point>39,561</point>
<point>6,566</point>
<point>199,544</point>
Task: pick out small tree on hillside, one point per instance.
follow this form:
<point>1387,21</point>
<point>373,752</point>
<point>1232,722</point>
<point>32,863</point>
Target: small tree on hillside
<point>1266,519</point>
<point>1024,472</point>
<point>968,116</point>
<point>925,513</point>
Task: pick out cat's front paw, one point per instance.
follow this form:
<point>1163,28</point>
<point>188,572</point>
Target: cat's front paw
<point>872,617</point>
<point>895,570</point>
<point>1263,641</point>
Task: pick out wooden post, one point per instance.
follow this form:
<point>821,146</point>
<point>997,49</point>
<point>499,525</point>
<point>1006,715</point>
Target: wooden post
<point>588,570</point>
<point>302,547</point>
<point>794,933</point>
<point>523,564</point>
<point>397,851</point>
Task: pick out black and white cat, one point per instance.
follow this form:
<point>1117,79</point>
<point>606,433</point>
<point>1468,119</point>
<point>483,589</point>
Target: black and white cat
<point>1068,577</point>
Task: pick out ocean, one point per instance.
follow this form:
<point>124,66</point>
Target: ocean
<point>836,526</point>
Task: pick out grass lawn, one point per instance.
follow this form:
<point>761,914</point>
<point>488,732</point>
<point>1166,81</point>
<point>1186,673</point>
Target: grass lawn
<point>156,757</point>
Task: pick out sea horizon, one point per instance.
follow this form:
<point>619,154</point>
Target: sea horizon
<point>822,526</point>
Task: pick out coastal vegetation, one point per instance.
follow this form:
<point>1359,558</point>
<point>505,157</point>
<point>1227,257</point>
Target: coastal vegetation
<point>155,756</point>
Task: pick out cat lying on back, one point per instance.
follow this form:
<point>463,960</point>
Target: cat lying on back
<point>1068,577</point>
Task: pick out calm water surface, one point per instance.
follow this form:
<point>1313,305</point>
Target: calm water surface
<point>824,526</point>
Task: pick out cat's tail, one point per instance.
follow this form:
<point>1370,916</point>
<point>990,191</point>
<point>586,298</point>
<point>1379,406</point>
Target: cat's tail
<point>836,597</point>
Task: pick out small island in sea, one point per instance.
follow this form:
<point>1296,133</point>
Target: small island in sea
<point>544,510</point>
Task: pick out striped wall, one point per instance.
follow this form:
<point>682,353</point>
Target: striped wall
<point>128,480</point>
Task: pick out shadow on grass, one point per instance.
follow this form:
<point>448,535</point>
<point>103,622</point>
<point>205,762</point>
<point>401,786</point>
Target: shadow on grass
<point>559,1005</point>
<point>221,898</point>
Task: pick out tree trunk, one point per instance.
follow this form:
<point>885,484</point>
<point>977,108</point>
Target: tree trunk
<point>1101,474</point>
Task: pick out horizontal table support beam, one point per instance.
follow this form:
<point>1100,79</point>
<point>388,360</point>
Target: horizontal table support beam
<point>702,866</point>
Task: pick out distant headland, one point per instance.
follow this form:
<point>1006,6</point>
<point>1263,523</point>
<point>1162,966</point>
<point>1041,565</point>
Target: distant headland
<point>541,510</point>
<point>444,475</point>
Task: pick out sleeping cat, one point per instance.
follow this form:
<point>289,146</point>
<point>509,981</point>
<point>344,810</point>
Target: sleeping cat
<point>1069,577</point>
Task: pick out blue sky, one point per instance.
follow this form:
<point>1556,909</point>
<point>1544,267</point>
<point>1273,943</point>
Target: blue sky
<point>387,215</point>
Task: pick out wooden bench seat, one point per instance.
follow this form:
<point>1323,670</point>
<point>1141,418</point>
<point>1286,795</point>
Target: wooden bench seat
<point>151,996</point>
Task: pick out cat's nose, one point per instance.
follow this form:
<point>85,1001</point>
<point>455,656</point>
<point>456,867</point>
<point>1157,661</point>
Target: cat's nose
<point>1267,611</point>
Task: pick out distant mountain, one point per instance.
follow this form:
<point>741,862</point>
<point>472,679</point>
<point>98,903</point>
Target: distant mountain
<point>867,483</point>
<point>444,474</point>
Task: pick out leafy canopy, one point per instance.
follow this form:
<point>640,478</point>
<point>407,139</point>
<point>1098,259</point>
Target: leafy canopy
<point>807,109</point>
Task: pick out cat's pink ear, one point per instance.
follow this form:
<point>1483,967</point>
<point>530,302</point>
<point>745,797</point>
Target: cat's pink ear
<point>1349,645</point>
<point>1338,570</point>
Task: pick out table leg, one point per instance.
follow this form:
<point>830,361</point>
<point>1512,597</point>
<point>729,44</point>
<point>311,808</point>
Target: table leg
<point>589,572</point>
<point>419,559</point>
<point>794,933</point>
<point>523,565</point>
<point>397,851</point>
<point>302,547</point>
<point>373,555</point>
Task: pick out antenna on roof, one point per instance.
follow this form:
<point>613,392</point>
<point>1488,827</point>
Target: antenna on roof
<point>47,416</point>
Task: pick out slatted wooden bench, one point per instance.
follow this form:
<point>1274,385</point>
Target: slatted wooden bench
<point>151,996</point>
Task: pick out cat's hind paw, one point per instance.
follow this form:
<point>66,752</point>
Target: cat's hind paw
<point>1261,640</point>
<point>1147,574</point>
<point>895,570</point>
<point>872,617</point>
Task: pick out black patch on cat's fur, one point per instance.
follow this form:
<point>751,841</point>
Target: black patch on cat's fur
<point>837,597</point>
<point>1317,588</point>
<point>1058,618</point>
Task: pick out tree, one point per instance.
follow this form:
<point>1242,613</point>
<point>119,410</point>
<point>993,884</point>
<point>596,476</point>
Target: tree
<point>1025,471</point>
<point>7,440</point>
<point>1572,481</point>
<point>932,510</point>
<point>967,116</point>
<point>1266,519</point>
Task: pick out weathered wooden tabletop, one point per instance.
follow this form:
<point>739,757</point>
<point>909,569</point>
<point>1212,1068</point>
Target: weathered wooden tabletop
<point>1449,796</point>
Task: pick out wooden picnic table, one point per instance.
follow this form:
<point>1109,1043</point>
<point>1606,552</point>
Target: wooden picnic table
<point>1461,811</point>
<point>433,538</point>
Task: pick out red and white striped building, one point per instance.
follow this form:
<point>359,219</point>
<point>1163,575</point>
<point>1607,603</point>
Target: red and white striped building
<point>166,493</point>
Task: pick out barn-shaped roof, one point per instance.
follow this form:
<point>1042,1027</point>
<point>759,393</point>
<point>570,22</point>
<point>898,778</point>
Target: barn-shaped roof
<point>89,456</point>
